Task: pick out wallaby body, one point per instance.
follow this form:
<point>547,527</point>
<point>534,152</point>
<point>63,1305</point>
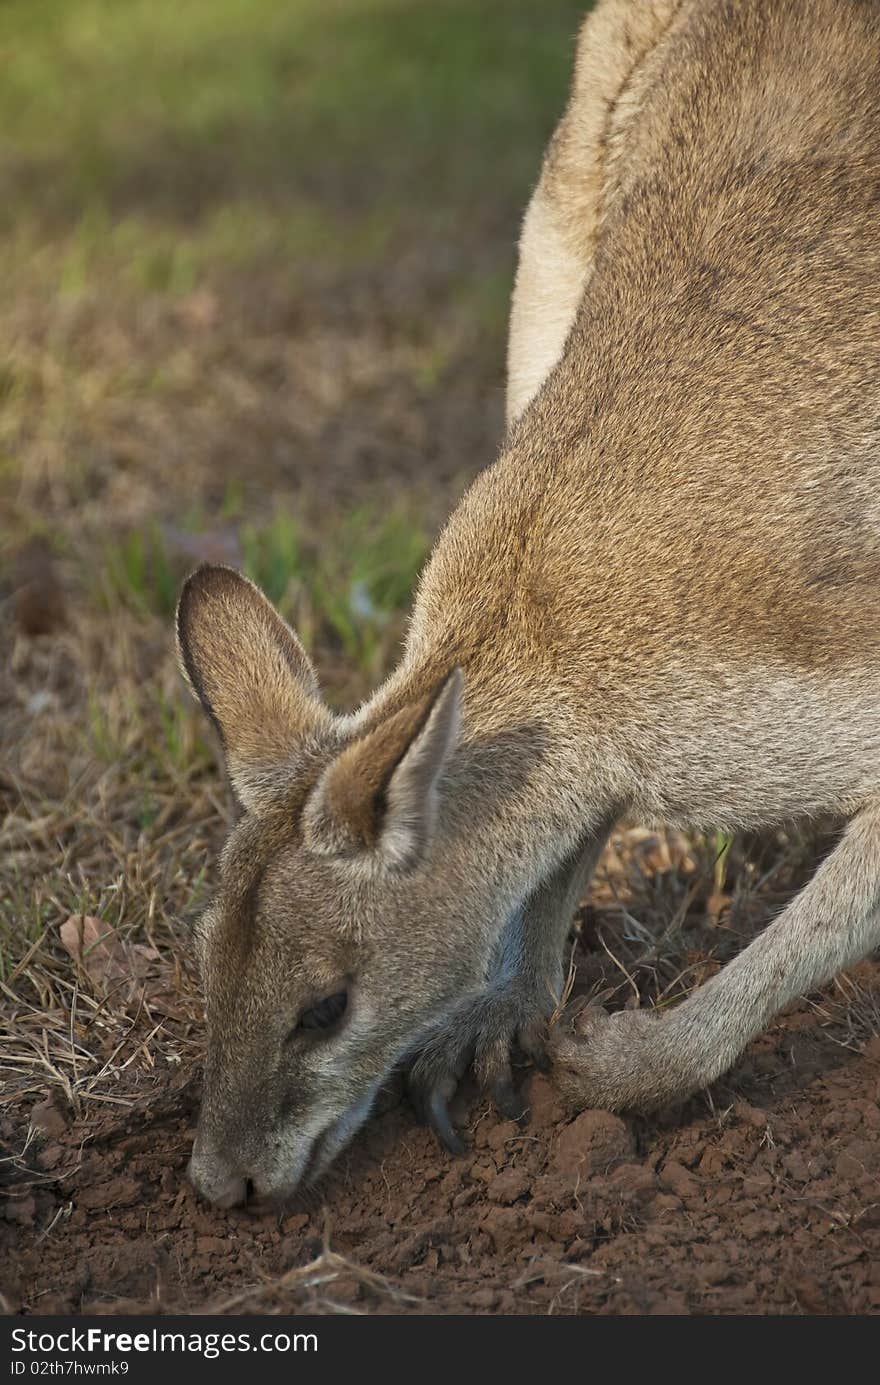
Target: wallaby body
<point>661,601</point>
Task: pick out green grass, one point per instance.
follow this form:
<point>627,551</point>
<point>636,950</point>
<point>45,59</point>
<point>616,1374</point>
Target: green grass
<point>348,589</point>
<point>137,569</point>
<point>273,557</point>
<point>24,914</point>
<point>156,140</point>
<point>352,590</point>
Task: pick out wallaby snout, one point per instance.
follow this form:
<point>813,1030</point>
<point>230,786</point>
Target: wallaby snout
<point>213,1178</point>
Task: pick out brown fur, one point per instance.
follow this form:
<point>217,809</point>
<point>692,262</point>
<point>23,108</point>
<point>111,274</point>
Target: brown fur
<point>663,599</point>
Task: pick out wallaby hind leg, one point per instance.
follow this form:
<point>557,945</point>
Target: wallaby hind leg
<point>550,281</point>
<point>636,1061</point>
<point>522,993</point>
<point>562,221</point>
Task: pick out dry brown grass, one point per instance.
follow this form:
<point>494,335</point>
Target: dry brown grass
<point>329,1284</point>
<point>112,809</point>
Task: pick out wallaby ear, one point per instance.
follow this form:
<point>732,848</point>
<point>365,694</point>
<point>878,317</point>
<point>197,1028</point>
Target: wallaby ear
<point>251,675</point>
<point>379,794</point>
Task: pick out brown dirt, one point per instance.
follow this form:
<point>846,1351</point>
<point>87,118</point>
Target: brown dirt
<point>764,1198</point>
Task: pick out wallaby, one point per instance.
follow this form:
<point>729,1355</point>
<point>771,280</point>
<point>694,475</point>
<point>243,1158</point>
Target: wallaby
<point>662,600</point>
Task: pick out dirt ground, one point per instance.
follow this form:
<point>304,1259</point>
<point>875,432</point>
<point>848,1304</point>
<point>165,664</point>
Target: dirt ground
<point>762,1197</point>
<point>258,347</point>
<point>768,1204</point>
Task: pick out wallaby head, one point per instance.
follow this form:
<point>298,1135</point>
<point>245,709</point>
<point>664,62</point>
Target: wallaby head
<point>314,978</point>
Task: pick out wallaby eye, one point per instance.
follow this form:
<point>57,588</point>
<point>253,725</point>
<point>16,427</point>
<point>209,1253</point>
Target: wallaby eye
<point>324,1014</point>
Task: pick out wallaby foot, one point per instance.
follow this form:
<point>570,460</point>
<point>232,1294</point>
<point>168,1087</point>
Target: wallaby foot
<point>636,1061</point>
<point>627,1061</point>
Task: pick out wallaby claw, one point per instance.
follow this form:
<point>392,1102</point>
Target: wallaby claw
<point>540,1059</point>
<point>620,1061</point>
<point>532,1041</point>
<point>440,1122</point>
<point>430,1096</point>
<point>507,1100</point>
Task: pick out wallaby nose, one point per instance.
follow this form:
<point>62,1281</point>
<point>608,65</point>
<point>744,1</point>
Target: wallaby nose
<point>216,1183</point>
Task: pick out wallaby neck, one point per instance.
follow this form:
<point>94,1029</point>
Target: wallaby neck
<point>523,786</point>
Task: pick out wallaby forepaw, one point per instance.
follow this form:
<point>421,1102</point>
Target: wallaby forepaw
<point>483,1037</point>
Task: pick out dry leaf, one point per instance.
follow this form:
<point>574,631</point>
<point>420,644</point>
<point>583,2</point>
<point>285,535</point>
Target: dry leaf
<point>95,947</point>
<point>47,1118</point>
